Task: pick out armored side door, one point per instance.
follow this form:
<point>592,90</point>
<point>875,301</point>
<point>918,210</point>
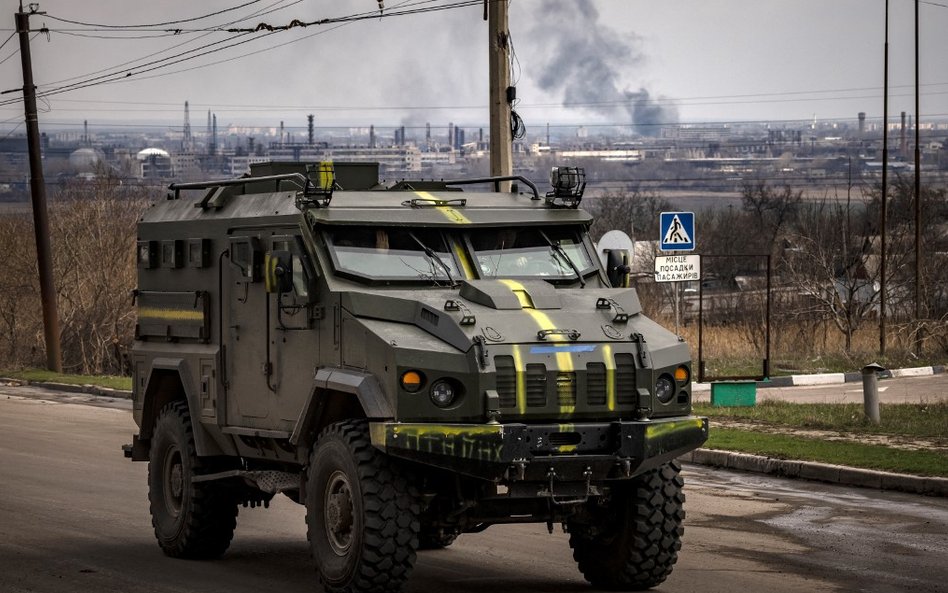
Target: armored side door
<point>246,325</point>
<point>295,319</point>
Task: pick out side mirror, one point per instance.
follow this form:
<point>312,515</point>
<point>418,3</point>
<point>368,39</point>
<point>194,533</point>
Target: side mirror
<point>279,272</point>
<point>618,268</point>
<point>615,251</point>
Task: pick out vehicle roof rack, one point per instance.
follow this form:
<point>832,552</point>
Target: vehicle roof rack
<point>496,181</point>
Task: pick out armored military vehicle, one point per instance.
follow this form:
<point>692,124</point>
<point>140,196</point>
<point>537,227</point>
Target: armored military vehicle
<point>411,362</point>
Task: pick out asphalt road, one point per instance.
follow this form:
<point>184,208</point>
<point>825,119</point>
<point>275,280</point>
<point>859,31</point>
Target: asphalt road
<point>74,518</point>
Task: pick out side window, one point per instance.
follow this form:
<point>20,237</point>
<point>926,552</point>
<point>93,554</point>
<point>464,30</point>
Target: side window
<point>302,275</point>
<point>247,256</point>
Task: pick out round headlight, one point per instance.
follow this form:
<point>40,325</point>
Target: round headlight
<point>665,389</point>
<point>443,393</point>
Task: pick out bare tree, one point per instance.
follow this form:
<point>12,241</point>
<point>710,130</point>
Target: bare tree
<point>832,267</point>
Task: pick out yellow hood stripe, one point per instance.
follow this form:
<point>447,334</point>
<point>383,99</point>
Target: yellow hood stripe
<point>449,213</point>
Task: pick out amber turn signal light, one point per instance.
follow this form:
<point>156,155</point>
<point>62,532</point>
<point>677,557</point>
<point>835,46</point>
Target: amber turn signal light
<point>681,374</point>
<point>412,381</point>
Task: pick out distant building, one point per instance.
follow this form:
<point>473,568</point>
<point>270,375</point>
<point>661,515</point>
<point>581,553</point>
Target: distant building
<point>154,163</point>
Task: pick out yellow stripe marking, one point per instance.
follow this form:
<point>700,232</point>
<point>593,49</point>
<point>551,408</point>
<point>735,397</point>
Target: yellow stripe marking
<point>520,292</point>
<point>564,360</point>
<point>173,314</point>
<point>566,448</point>
<point>610,376</point>
<point>449,212</point>
<point>521,373</point>
<point>465,262</point>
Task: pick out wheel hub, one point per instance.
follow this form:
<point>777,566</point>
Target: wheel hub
<point>338,513</point>
<point>174,482</point>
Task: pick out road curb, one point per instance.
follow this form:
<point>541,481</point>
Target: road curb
<point>72,388</point>
<point>835,378</point>
<point>821,472</point>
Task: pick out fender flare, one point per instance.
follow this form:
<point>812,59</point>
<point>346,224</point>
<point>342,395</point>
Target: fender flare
<point>364,386</point>
<point>203,443</point>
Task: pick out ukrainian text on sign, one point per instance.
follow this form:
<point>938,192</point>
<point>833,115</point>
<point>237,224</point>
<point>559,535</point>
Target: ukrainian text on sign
<point>677,268</point>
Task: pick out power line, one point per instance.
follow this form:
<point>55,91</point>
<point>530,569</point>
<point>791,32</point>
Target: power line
<point>269,9</point>
<point>152,25</point>
<point>347,21</point>
<point>12,35</point>
<point>170,61</point>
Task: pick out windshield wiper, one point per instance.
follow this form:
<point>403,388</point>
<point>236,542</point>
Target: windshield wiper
<point>558,249</point>
<point>434,257</point>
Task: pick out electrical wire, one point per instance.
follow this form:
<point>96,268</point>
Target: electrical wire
<point>170,61</point>
<point>152,25</point>
<point>127,77</point>
<point>15,128</point>
<point>12,35</point>
<point>271,8</point>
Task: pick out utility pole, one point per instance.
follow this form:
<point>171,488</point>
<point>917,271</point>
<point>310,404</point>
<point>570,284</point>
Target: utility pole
<point>919,336</point>
<point>54,358</point>
<point>501,137</point>
<point>885,184</point>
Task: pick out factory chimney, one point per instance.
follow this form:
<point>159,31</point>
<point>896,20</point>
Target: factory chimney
<point>214,134</point>
<point>309,120</point>
<point>903,147</point>
<point>862,123</point>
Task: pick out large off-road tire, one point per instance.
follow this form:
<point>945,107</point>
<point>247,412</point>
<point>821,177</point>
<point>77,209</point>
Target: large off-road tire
<point>633,538</point>
<point>361,513</point>
<point>191,520</point>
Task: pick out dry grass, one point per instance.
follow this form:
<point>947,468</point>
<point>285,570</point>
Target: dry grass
<point>796,348</point>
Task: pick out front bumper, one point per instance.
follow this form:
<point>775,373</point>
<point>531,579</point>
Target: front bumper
<point>534,452</point>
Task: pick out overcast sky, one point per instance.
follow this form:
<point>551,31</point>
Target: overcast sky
<point>610,61</point>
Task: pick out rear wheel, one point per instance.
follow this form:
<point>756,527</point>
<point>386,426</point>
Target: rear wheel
<point>630,541</point>
<point>361,513</point>
<point>191,520</point>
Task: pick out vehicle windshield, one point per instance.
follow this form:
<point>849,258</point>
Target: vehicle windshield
<point>526,252</point>
<point>393,254</point>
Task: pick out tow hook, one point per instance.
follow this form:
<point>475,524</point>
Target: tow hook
<point>551,474</point>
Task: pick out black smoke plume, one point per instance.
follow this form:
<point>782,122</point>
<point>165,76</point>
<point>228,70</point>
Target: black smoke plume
<point>585,59</point>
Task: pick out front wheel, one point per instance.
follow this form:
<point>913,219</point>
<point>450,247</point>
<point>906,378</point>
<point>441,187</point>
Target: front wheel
<point>361,513</point>
<point>630,540</point>
<point>191,519</point>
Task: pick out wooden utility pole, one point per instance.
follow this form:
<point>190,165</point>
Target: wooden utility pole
<point>885,184</point>
<point>501,137</point>
<point>919,336</point>
<point>54,358</point>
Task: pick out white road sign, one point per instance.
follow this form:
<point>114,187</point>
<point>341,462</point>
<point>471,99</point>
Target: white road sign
<point>677,268</point>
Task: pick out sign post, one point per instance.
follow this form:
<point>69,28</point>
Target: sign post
<point>677,233</point>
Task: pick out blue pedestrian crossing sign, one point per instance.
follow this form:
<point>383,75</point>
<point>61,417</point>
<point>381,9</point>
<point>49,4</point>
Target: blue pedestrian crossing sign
<point>677,231</point>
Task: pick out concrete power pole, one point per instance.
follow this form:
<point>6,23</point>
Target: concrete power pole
<point>501,137</point>
<point>54,357</point>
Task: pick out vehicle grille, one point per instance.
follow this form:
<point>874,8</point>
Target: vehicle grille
<point>543,388</point>
<point>536,385</point>
<point>566,389</point>
<point>626,394</point>
<point>596,384</point>
<point>506,381</point>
